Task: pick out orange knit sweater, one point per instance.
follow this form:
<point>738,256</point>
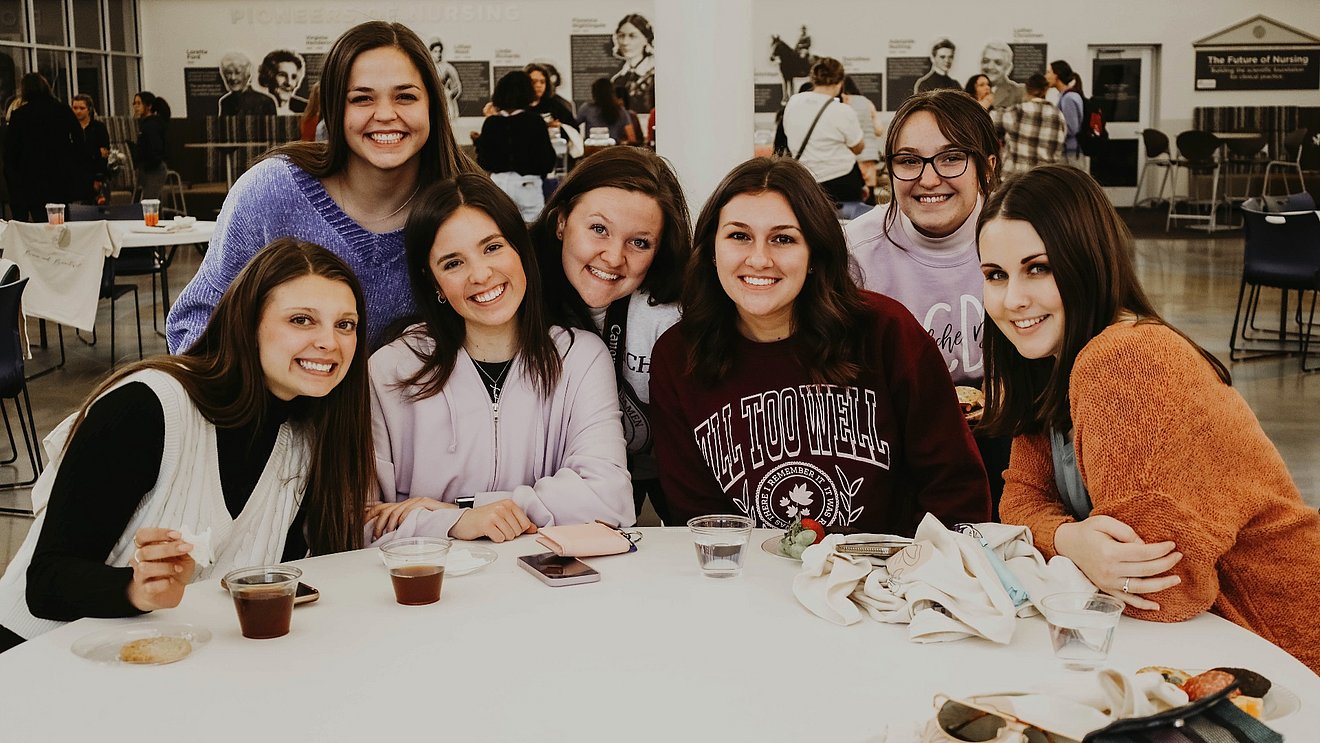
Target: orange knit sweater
<point>1168,449</point>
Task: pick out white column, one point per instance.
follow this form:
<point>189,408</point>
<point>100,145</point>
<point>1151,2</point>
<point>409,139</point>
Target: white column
<point>703,90</point>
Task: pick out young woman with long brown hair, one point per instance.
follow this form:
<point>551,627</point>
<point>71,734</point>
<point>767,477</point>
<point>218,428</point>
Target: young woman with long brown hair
<point>255,443</point>
<point>388,137</point>
<point>483,403</point>
<point>787,391</point>
<point>1133,456</point>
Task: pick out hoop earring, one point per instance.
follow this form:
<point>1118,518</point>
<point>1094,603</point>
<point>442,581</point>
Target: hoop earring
<point>440,297</point>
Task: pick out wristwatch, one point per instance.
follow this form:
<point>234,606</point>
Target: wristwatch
<point>466,501</point>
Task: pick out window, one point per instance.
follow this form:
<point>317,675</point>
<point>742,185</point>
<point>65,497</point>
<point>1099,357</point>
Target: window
<point>80,46</point>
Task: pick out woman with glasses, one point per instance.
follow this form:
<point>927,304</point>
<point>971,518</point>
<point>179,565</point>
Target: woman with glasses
<point>921,249</point>
<point>787,391</point>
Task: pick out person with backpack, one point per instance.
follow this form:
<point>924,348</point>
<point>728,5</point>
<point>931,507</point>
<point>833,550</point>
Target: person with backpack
<point>1072,103</point>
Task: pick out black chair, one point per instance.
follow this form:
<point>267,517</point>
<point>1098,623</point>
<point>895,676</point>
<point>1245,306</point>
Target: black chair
<point>1245,158</point>
<point>13,386</point>
<point>1157,156</point>
<point>1281,251</point>
<point>1198,155</point>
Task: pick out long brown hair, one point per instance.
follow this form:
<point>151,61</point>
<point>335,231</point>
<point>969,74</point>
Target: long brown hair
<point>830,317</point>
<point>441,156</point>
<point>446,328</point>
<point>963,122</point>
<point>1090,255</point>
<point>631,169</point>
<point>222,375</point>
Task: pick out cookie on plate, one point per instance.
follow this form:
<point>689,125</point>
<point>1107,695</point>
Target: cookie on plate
<point>155,650</point>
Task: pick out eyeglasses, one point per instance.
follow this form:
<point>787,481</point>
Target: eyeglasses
<point>948,164</point>
<point>963,721</point>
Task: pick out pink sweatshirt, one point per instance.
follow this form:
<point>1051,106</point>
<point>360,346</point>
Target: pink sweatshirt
<point>562,460</point>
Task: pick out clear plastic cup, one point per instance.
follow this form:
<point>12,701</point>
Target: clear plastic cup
<point>1081,627</point>
<point>151,212</point>
<point>417,568</point>
<point>55,214</point>
<point>263,597</point>
<point>720,540</point>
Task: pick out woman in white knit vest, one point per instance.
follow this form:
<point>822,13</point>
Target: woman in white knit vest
<point>234,453</point>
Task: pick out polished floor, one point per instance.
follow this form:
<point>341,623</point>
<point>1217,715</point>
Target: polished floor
<point>1194,282</point>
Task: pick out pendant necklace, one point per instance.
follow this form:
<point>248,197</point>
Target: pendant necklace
<point>497,381</point>
<point>343,193</point>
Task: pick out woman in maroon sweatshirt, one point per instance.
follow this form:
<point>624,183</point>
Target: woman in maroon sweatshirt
<point>787,391</point>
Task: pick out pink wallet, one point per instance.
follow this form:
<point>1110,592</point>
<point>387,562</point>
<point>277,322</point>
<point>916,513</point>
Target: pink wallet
<point>583,540</point>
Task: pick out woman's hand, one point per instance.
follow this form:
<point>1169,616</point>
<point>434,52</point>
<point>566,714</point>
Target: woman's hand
<point>500,521</point>
<point>1115,559</point>
<point>161,569</point>
<point>386,517</point>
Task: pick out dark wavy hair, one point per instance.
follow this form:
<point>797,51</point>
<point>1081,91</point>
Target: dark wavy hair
<point>222,374</point>
<point>513,91</point>
<point>963,122</point>
<point>830,317</point>
<point>970,87</point>
<point>154,103</point>
<point>1090,256</point>
<point>631,169</point>
<point>445,327</point>
<point>270,66</point>
<point>441,157</point>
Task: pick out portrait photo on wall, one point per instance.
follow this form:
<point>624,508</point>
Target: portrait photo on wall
<point>794,61</point>
<point>634,44</point>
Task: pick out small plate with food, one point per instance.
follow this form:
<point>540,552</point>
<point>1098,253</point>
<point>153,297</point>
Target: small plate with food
<point>1256,695</point>
<point>143,644</point>
<point>972,402</point>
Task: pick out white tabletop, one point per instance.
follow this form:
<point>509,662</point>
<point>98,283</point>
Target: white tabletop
<point>131,233</point>
<point>654,651</point>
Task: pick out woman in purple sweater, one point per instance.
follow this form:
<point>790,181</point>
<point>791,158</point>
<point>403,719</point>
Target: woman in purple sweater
<point>389,136</point>
<point>786,391</point>
<point>487,420</point>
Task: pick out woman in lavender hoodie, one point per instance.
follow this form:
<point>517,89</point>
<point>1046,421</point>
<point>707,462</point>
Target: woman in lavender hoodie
<point>488,421</point>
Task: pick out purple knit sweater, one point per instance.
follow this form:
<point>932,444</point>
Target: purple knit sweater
<point>275,198</point>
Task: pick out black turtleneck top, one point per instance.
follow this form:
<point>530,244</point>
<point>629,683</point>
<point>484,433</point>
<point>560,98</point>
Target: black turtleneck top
<point>110,465</point>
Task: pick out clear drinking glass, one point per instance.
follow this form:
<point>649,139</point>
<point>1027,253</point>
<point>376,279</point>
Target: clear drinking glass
<point>720,540</point>
<point>263,597</point>
<point>1081,627</point>
<point>417,568</point>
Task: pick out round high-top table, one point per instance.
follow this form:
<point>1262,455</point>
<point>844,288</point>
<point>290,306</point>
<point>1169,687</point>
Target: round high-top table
<point>653,652</point>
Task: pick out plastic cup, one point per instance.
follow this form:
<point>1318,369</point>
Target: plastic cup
<point>263,597</point>
<point>1081,627</point>
<point>55,214</point>
<point>720,540</point>
<point>417,568</point>
<point>151,212</point>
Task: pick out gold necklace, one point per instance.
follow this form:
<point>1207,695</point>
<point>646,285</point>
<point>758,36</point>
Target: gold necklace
<point>343,192</point>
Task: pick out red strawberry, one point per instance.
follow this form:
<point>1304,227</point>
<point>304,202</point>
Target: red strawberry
<point>815,526</point>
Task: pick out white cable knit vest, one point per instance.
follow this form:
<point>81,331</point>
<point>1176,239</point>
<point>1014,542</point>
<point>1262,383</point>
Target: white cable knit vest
<point>186,495</point>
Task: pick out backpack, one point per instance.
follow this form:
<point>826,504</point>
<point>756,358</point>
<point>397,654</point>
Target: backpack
<point>1093,136</point>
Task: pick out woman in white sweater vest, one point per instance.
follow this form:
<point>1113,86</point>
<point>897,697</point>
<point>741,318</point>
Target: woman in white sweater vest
<point>130,510</point>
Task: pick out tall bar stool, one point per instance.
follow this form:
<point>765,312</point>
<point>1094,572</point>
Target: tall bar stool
<point>1198,154</point>
<point>1292,146</point>
<point>1245,158</point>
<point>1157,156</point>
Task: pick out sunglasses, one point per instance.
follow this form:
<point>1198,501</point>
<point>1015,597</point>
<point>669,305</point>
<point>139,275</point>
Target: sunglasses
<point>965,721</point>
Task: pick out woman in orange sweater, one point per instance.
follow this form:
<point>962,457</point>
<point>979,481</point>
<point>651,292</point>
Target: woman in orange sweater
<point>1132,454</point>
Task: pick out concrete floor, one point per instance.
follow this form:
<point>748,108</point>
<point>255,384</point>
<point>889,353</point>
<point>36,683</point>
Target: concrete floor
<point>1193,282</point>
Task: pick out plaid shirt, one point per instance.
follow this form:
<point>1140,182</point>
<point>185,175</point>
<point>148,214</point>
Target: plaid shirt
<point>1034,133</point>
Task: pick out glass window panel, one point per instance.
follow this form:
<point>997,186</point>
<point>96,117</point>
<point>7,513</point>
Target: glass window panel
<point>123,25</point>
<point>55,67</point>
<point>13,65</point>
<point>13,20</point>
<point>124,84</point>
<point>87,23</point>
<point>49,16</point>
<point>89,77</point>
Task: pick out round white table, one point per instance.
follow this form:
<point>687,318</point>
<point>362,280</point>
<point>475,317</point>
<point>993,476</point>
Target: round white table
<point>654,651</point>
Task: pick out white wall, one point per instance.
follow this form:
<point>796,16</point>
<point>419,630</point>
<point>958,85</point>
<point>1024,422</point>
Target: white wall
<point>178,33</point>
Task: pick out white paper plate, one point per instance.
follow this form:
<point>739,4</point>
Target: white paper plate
<point>771,546</point>
<point>1279,701</point>
<point>103,646</point>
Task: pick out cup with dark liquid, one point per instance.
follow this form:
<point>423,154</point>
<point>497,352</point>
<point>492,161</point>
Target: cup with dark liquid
<point>263,597</point>
<point>417,568</point>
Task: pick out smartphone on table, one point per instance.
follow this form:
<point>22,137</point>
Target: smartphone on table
<point>304,595</point>
<point>553,570</point>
